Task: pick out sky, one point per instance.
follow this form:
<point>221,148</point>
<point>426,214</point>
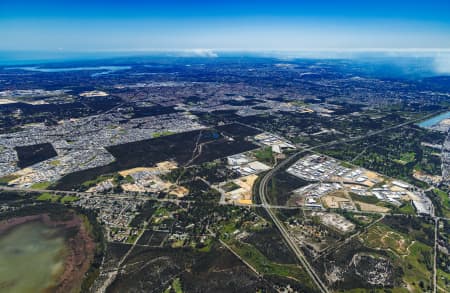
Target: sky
<point>203,27</point>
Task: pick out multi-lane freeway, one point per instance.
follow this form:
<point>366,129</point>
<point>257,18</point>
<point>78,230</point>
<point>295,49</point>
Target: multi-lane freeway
<point>262,192</point>
<point>292,245</point>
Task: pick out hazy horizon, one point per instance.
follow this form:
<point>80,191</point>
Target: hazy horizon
<point>436,62</point>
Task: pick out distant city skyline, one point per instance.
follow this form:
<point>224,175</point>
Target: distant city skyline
<point>204,26</point>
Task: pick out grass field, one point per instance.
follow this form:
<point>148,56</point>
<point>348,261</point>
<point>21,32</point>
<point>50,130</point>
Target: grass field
<point>96,181</point>
<point>67,199</point>
<point>41,185</point>
<point>442,286</point>
<point>365,199</point>
<point>413,256</point>
<point>407,209</point>
<point>266,267</point>
<point>48,197</point>
<point>416,266</point>
<point>381,236</point>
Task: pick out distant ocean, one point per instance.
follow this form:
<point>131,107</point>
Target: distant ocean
<point>9,58</point>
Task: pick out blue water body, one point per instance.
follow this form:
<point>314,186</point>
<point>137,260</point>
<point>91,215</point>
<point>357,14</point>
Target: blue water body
<point>43,69</point>
<point>105,69</point>
<point>434,120</point>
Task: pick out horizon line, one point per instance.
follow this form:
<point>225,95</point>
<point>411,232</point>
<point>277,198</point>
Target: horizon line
<point>253,50</point>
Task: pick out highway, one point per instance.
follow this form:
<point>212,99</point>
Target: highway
<point>262,192</point>
<point>436,230</point>
<point>292,245</point>
<point>96,195</point>
<point>280,226</point>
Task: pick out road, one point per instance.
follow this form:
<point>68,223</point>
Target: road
<point>280,226</point>
<point>97,195</point>
<point>436,227</point>
<point>262,194</point>
<point>240,258</point>
<point>331,249</point>
<point>284,233</point>
<point>112,274</point>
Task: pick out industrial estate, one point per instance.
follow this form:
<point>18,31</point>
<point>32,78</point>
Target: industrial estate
<point>226,175</point>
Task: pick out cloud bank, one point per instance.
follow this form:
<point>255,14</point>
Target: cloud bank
<point>442,64</point>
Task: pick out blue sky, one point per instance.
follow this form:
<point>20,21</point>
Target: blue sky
<point>131,25</point>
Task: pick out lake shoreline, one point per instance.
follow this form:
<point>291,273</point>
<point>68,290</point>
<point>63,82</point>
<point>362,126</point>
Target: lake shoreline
<point>435,120</point>
<point>79,248</point>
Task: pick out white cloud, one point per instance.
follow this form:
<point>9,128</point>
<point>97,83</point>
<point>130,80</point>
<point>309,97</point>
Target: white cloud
<point>202,53</point>
<point>442,64</point>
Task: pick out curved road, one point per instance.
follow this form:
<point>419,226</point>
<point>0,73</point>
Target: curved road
<point>263,193</point>
<point>282,229</point>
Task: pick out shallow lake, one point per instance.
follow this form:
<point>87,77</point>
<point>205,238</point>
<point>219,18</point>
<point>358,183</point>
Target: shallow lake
<point>31,258</point>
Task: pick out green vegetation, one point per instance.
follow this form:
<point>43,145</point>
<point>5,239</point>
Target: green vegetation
<point>381,236</point>
<point>365,199</point>
<point>299,103</point>
<point>52,197</point>
<point>418,266</point>
<point>406,250</point>
<point>161,212</point>
<point>265,155</point>
<point>395,154</point>
<point>162,133</point>
<point>406,158</point>
<point>206,246</point>
<point>176,285</point>
<point>41,185</point>
<point>214,172</point>
<point>176,174</point>
<point>360,220</point>
<point>430,162</point>
<point>346,165</point>
<point>96,231</point>
<point>406,208</point>
<point>55,162</point>
<point>46,196</point>
<point>101,178</point>
<point>263,265</point>
<point>132,238</point>
<point>441,201</point>
<point>262,249</point>
<point>443,260</point>
<point>6,179</point>
<point>376,290</point>
<point>228,228</point>
<point>230,186</point>
<point>443,280</point>
<point>68,199</point>
<point>128,179</point>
